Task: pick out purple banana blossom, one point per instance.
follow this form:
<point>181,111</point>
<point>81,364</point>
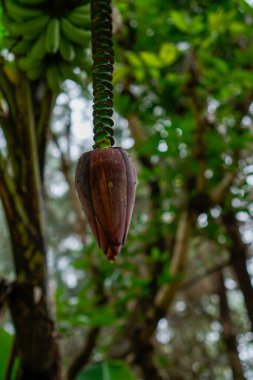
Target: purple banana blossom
<point>105,183</point>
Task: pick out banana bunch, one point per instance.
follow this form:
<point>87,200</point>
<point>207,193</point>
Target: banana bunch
<point>45,44</point>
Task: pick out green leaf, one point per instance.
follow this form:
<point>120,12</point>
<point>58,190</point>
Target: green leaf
<point>2,31</point>
<point>137,64</point>
<point>237,27</point>
<point>133,59</point>
<point>150,59</point>
<point>110,370</point>
<point>216,21</point>
<point>181,20</point>
<point>185,23</point>
<point>120,72</point>
<point>6,341</point>
<point>168,53</point>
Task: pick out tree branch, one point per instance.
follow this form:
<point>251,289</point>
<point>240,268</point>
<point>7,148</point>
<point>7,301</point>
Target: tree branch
<point>4,294</point>
<point>218,194</point>
<point>208,272</point>
<point>167,291</point>
<point>140,336</point>
<point>80,224</point>
<point>136,129</point>
<point>7,188</point>
<point>198,107</point>
<point>228,332</point>
<point>238,255</point>
<point>83,356</point>
<point>31,176</point>
<point>7,88</point>
<point>42,127</point>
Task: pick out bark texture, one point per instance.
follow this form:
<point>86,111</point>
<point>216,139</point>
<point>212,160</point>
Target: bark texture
<point>21,193</point>
<point>238,255</point>
<point>229,335</point>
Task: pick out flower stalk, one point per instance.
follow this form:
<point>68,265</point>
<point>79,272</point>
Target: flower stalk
<point>103,59</point>
<point>106,176</point>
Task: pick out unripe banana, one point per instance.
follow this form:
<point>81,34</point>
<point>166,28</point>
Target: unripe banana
<point>68,73</point>
<point>31,2</point>
<point>80,19</point>
<point>36,72</point>
<point>38,50</point>
<point>53,36</point>
<point>27,63</point>
<point>67,50</point>
<point>9,42</point>
<point>29,28</point>
<point>22,47</point>
<point>7,23</point>
<point>54,78</point>
<point>19,13</point>
<point>82,58</point>
<point>65,70</point>
<point>82,9</point>
<point>74,34</point>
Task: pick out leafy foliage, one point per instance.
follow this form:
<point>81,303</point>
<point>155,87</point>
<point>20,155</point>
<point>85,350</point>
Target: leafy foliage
<point>183,108</point>
<point>107,371</point>
<point>5,352</point>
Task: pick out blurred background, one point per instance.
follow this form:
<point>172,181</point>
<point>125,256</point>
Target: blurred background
<point>178,302</point>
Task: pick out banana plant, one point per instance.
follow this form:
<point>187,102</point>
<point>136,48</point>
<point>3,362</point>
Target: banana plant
<point>105,177</point>
<point>32,70</point>
<point>47,41</point>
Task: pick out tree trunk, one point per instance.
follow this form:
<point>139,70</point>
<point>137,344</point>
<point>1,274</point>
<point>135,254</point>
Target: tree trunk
<point>21,194</point>
<point>238,256</point>
<point>29,305</point>
<point>228,332</point>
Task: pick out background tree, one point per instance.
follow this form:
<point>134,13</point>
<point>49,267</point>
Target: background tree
<point>177,304</point>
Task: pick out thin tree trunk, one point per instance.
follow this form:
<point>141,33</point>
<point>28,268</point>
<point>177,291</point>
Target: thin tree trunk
<point>21,194</point>
<point>229,336</point>
<point>238,256</point>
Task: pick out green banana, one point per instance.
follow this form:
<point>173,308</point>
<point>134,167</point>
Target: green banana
<point>67,72</point>
<point>54,78</point>
<point>27,63</point>
<point>74,34</point>
<point>39,48</point>
<point>53,36</point>
<point>22,47</point>
<point>67,50</point>
<point>7,23</point>
<point>82,58</point>
<point>80,19</point>
<point>36,72</point>
<point>31,2</point>
<point>28,28</point>
<point>19,13</point>
<point>83,9</point>
<point>9,42</point>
